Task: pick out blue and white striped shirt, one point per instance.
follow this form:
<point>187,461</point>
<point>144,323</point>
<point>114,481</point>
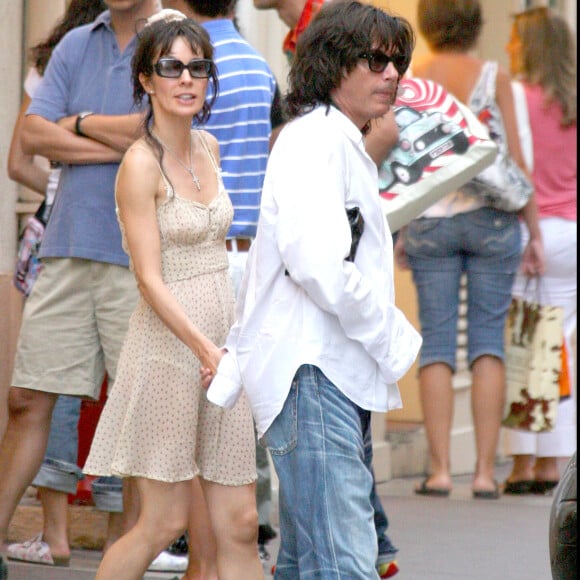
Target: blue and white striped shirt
<point>240,121</point>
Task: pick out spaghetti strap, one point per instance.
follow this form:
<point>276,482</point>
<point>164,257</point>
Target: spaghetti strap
<point>208,151</point>
<point>168,187</point>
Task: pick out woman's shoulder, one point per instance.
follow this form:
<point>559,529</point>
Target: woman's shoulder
<point>140,161</point>
<point>140,152</point>
<point>209,141</point>
<point>207,137</point>
<point>457,72</point>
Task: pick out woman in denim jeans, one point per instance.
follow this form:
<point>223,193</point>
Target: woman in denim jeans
<point>460,236</point>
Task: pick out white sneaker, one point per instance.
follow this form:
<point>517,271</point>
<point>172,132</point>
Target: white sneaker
<point>167,562</point>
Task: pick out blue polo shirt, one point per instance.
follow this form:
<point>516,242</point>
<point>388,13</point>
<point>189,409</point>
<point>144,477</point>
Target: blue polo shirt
<point>86,72</point>
<point>240,121</point>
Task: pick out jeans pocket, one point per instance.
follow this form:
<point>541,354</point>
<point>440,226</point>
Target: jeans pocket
<point>422,226</point>
<point>492,219</point>
<point>282,435</point>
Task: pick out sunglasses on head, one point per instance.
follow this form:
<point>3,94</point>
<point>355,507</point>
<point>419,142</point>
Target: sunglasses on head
<point>379,61</point>
<point>171,68</point>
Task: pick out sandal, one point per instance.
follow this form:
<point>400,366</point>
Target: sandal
<point>543,487</point>
<point>522,487</point>
<point>424,489</point>
<point>36,551</point>
<point>487,493</point>
<point>388,569</point>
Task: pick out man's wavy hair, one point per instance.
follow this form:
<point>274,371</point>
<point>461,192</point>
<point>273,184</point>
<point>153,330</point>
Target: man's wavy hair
<point>331,47</point>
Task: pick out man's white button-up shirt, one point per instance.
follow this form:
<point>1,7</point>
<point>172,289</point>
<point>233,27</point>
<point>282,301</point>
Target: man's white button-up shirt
<point>337,315</point>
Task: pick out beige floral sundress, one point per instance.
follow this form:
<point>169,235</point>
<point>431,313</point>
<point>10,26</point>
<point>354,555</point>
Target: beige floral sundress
<point>157,422</point>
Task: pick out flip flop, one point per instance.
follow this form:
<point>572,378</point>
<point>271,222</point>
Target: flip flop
<point>487,493</point>
<point>522,487</point>
<point>424,489</point>
<point>542,487</point>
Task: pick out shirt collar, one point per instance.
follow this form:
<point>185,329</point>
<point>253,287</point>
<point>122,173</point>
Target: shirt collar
<point>103,19</point>
<point>349,128</point>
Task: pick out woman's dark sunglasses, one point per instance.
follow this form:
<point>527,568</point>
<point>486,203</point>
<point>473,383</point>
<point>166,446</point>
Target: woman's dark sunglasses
<point>379,61</point>
<point>171,68</point>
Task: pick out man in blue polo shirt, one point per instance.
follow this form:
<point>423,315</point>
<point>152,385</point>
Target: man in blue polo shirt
<point>75,319</point>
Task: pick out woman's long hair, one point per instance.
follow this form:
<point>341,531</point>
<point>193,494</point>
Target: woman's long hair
<point>548,57</point>
<point>79,12</point>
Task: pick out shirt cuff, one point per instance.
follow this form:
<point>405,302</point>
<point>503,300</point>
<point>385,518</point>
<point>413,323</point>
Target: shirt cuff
<point>226,387</point>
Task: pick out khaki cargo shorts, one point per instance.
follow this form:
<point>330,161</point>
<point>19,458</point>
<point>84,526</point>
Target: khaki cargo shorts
<point>73,327</point>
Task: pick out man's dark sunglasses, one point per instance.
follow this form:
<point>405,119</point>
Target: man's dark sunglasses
<point>379,61</point>
<point>171,68</point>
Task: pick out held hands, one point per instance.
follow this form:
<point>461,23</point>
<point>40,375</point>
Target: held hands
<point>209,366</point>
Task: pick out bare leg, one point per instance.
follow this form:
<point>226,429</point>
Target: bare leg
<point>131,503</point>
<point>162,519</point>
<point>55,527</point>
<point>202,548</point>
<point>437,402</point>
<point>547,469</point>
<point>522,469</point>
<point>487,400</point>
<point>115,529</point>
<point>234,519</point>
<point>22,448</point>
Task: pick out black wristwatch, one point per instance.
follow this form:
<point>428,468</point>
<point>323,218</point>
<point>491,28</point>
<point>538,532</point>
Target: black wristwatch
<point>80,117</point>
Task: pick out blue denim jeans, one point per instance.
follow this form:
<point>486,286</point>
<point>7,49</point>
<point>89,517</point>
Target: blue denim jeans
<point>59,470</point>
<point>485,246</point>
<point>108,494</point>
<point>387,550</point>
<point>327,530</point>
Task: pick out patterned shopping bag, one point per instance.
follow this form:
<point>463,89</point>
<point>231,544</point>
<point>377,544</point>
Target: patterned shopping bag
<point>441,146</point>
<point>533,361</point>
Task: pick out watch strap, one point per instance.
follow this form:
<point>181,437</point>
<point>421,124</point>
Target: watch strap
<point>78,121</point>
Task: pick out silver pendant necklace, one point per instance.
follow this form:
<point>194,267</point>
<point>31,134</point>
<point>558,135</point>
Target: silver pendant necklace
<point>189,169</point>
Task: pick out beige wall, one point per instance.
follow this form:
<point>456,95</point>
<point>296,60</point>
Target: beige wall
<point>11,32</point>
<point>22,24</point>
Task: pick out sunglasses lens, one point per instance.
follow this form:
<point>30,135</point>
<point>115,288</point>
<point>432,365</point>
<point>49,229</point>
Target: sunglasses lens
<point>378,62</point>
<point>169,67</point>
<point>200,68</point>
<point>400,62</point>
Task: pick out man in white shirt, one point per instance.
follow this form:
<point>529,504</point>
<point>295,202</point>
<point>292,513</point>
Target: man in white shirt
<point>318,343</point>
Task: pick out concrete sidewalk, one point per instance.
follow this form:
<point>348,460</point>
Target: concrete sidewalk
<point>455,538</point>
